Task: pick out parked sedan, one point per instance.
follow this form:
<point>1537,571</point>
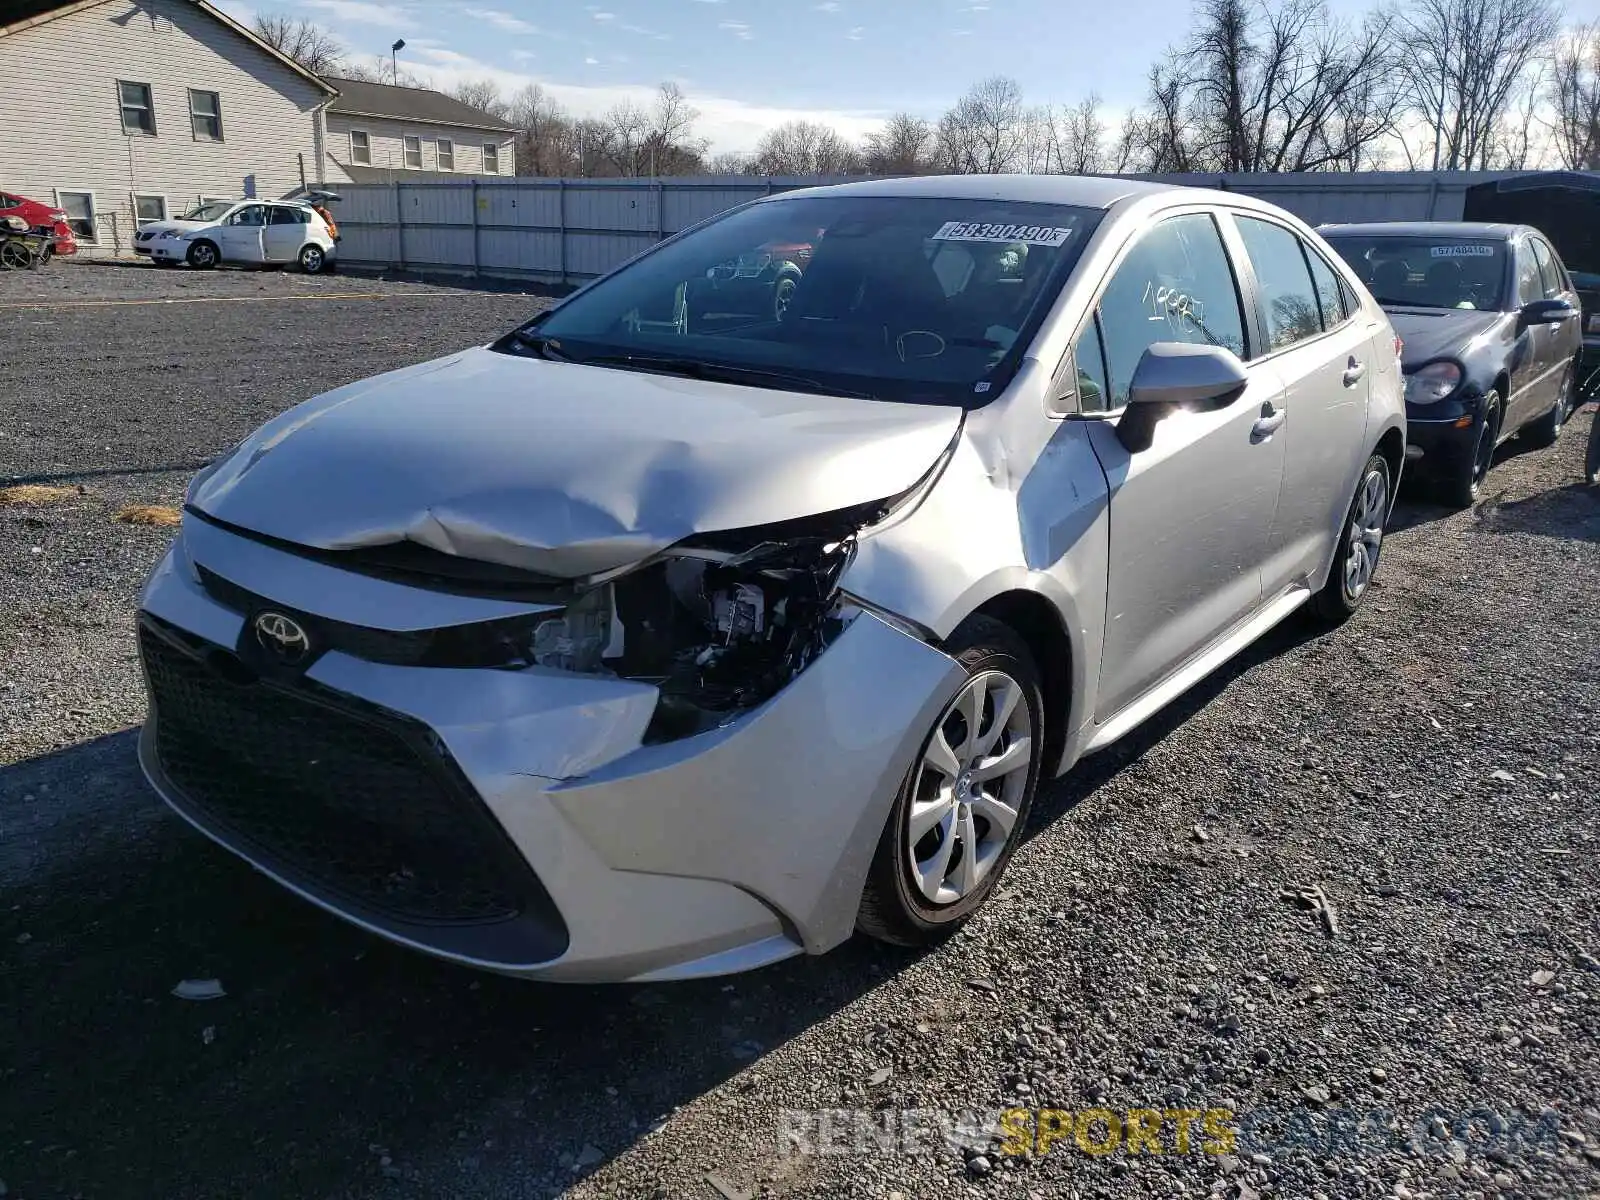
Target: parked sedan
<point>630,649</point>
<point>241,231</point>
<point>1489,319</point>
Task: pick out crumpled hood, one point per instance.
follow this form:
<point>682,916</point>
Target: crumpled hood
<point>1438,332</point>
<point>557,468</point>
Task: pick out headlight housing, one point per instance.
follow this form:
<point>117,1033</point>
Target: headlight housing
<point>1431,383</point>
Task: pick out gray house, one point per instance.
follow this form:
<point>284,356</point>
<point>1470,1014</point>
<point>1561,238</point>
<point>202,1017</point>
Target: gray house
<point>123,111</point>
<point>377,132</point>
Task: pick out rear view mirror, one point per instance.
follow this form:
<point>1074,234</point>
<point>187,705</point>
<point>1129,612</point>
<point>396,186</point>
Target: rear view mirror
<point>1177,375</point>
<point>1547,312</point>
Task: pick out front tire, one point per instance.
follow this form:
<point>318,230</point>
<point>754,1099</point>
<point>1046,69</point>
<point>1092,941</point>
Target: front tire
<point>1462,490</point>
<point>1355,563</point>
<point>962,808</point>
<point>203,256</point>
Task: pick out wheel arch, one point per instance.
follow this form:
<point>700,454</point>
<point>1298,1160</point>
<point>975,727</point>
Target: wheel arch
<point>1035,619</point>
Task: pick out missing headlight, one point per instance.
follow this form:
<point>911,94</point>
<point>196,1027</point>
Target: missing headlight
<point>718,638</point>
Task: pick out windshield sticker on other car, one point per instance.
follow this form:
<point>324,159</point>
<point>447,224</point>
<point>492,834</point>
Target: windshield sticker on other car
<point>978,231</point>
<point>1462,251</point>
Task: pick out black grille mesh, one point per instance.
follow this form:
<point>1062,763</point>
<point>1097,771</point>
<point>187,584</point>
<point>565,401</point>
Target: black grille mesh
<point>355,803</point>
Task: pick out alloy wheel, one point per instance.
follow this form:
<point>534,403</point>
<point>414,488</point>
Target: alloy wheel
<point>1365,538</point>
<point>1483,455</point>
<point>971,783</point>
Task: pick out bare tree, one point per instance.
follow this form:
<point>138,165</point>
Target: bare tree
<point>1463,62</point>
<point>804,148</point>
<point>314,48</point>
<point>1518,139</point>
<point>730,162</point>
<point>1159,138</point>
<point>1575,98</point>
<point>634,141</point>
<point>546,142</point>
<point>901,147</point>
<point>483,95</point>
<point>1066,141</point>
<point>986,132</point>
<point>1274,88</point>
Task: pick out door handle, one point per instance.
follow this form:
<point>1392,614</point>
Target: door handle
<point>1268,423</point>
<point>1354,372</point>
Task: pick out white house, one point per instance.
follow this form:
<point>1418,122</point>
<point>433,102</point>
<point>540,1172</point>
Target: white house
<point>122,111</point>
<point>376,132</point>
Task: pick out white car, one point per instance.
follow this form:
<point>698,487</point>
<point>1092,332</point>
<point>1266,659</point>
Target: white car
<point>241,231</point>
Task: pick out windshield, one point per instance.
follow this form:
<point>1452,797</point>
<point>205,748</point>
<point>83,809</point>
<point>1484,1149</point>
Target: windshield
<point>1427,272</point>
<point>214,211</point>
<point>898,298</point>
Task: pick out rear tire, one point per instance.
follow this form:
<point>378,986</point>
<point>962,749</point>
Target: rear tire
<point>1463,490</point>
<point>949,836</point>
<point>313,260</point>
<point>1355,562</point>
<point>1547,428</point>
<point>203,255</point>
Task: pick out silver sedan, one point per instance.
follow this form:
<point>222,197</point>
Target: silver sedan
<point>691,626</point>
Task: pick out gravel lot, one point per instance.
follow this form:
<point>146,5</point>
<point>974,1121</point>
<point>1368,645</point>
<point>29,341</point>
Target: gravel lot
<point>1433,766</point>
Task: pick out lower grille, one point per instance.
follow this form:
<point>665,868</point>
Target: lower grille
<point>348,800</point>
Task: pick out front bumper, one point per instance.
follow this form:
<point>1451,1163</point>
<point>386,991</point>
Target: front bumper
<point>1441,438</point>
<point>548,841</point>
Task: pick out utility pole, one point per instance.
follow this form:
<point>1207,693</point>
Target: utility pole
<point>394,60</point>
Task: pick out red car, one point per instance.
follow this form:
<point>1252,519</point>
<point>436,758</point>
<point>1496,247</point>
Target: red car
<point>42,217</point>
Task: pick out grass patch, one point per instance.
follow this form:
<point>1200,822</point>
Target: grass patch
<point>149,514</point>
<point>36,495</point>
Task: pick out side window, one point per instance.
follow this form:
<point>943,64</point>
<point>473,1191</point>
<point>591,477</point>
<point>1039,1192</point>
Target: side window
<point>1090,361</point>
<point>1530,286</point>
<point>253,215</point>
<point>1283,280</point>
<point>1330,295</point>
<point>283,216</point>
<point>1549,270</point>
<point>1175,285</point>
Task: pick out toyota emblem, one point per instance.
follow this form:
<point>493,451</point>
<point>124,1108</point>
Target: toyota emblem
<point>282,637</point>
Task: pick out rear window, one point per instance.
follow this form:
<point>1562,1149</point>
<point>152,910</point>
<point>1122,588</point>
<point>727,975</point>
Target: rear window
<point>895,297</point>
<point>1419,271</point>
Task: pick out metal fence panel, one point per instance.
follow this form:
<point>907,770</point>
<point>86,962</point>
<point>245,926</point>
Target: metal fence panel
<point>566,231</point>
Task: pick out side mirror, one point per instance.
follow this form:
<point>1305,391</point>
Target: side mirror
<point>1547,312</point>
<point>1177,375</point>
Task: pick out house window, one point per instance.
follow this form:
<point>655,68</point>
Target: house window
<point>491,159</point>
<point>360,147</point>
<point>205,116</point>
<point>447,155</point>
<point>138,113</point>
<point>149,208</point>
<point>413,150</point>
<point>79,207</point>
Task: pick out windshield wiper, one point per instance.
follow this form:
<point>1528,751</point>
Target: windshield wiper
<point>544,347</point>
<point>722,373</point>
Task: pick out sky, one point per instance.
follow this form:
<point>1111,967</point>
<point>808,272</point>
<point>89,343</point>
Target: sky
<point>748,65</point>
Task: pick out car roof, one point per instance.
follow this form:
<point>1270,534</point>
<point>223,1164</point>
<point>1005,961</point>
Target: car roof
<point>1085,191</point>
<point>1493,230</point>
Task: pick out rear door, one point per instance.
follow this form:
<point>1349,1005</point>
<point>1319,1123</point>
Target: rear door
<point>1191,517</point>
<point>1323,357</point>
<point>284,234</point>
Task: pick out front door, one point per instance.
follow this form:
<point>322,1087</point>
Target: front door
<point>1565,338</point>
<point>1532,392</point>
<point>284,234</point>
<point>1191,517</point>
<point>241,234</point>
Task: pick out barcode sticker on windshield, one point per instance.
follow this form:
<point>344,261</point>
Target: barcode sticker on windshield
<point>1462,251</point>
<point>977,231</point>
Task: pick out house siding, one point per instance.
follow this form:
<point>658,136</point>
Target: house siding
<point>62,119</point>
<point>388,154</point>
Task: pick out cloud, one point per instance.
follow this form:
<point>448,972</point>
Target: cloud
<point>856,33</point>
<point>361,12</point>
<point>830,6</point>
<point>501,20</point>
<point>739,29</point>
<point>729,123</point>
<point>602,16</point>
